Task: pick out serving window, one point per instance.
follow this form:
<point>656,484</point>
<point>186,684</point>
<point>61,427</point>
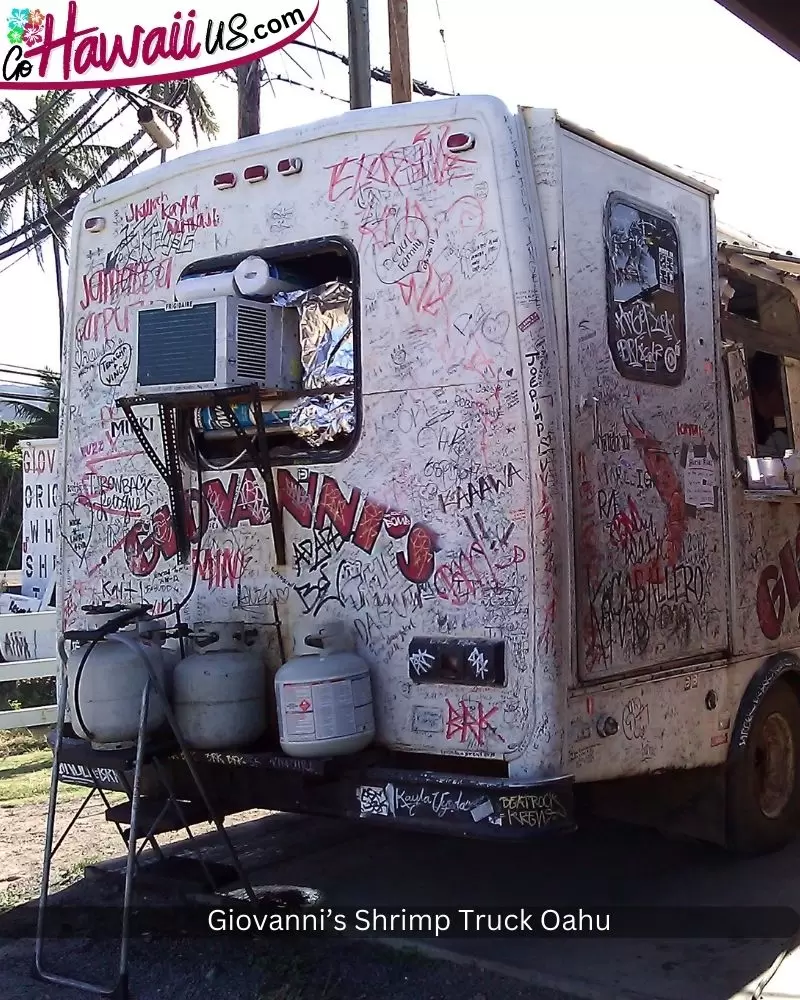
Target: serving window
<point>761,334</point>
<point>322,311</point>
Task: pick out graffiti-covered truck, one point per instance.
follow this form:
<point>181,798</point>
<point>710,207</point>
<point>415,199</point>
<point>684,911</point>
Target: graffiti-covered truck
<point>521,453</point>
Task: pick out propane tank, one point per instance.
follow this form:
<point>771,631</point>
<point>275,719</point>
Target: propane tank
<point>106,681</point>
<point>325,699</point>
<point>170,648</point>
<point>219,690</point>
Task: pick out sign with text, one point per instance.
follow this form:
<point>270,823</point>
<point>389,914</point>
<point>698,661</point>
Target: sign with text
<point>40,515</point>
<point>91,43</point>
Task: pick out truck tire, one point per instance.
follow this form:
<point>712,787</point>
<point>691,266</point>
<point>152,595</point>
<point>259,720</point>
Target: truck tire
<point>763,787</point>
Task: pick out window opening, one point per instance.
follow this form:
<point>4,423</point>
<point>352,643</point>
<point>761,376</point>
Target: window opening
<point>278,380</point>
<point>318,295</point>
<point>644,279</point>
<point>773,436</point>
<point>761,337</point>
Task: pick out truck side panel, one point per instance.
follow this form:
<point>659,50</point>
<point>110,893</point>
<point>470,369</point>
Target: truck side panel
<point>652,585</point>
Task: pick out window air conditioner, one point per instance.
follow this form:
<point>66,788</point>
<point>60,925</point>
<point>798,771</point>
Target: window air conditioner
<point>217,343</point>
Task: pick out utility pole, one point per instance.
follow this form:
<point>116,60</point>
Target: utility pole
<point>399,52</point>
<point>360,66</point>
<point>248,85</point>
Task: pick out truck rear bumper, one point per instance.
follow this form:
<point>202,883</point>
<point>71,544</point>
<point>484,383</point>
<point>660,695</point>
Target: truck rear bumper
<point>360,789</point>
<point>465,806</point>
<point>370,791</point>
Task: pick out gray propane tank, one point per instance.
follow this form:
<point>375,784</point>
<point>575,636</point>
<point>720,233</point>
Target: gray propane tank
<point>105,682</point>
<point>219,691</point>
<point>325,699</point>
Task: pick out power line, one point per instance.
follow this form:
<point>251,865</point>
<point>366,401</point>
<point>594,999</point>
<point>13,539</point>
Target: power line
<point>377,73</point>
<point>28,400</point>
<point>444,45</point>
<point>296,83</point>
<point>23,370</point>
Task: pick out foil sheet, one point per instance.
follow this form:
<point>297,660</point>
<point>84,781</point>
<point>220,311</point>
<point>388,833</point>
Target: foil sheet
<point>326,347</point>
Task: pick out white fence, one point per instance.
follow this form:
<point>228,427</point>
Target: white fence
<point>27,651</point>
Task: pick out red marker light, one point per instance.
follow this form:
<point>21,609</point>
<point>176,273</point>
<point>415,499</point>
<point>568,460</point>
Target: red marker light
<point>256,173</point>
<point>290,166</point>
<point>96,225</point>
<point>460,142</point>
<point>225,181</point>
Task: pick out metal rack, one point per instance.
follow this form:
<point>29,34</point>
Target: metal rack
<point>256,446</point>
<point>144,816</point>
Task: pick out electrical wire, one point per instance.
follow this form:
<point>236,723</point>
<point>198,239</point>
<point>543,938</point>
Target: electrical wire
<point>16,260</point>
<point>305,86</point>
<point>444,45</point>
<point>377,73</point>
<point>22,369</point>
<point>182,604</point>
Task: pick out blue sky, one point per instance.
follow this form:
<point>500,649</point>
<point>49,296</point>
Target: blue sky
<point>686,83</point>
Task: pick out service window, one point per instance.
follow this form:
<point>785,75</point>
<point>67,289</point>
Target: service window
<point>319,423</point>
<point>761,334</point>
<point>644,279</point>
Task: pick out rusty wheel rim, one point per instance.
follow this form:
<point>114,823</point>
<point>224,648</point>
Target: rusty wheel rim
<point>775,765</point>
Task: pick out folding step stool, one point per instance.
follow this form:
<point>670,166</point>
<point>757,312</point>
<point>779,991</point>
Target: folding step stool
<point>144,816</point>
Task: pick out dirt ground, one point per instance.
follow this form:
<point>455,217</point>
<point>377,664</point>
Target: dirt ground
<point>91,839</point>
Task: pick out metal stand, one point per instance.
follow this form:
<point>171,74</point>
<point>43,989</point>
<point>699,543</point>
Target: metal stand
<point>170,405</point>
<point>168,814</point>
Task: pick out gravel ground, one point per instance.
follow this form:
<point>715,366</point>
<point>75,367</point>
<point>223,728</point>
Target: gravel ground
<point>227,968</point>
<point>234,968</point>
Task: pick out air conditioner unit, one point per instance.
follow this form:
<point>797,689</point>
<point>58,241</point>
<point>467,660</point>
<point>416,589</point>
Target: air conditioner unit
<point>217,343</point>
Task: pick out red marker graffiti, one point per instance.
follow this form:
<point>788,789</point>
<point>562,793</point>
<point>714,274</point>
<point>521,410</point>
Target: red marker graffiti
<point>666,481</point>
<point>779,588</point>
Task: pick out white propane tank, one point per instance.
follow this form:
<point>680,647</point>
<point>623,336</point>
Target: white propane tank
<point>325,699</point>
<point>219,691</point>
<point>171,654</point>
<point>105,683</point>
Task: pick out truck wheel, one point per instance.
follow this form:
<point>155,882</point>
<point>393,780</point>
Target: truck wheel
<point>763,793</point>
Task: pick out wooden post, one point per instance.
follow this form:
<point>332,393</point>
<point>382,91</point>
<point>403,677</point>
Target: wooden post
<point>248,83</point>
<point>399,51</point>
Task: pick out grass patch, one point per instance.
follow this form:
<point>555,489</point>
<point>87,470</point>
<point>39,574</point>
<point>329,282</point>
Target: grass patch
<point>17,741</point>
<point>25,778</point>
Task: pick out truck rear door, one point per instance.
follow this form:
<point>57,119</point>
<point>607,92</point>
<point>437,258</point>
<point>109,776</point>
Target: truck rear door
<point>651,580</point>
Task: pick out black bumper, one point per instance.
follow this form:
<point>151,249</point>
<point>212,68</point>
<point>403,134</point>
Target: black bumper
<point>365,788</point>
<point>353,788</point>
<point>465,806</point>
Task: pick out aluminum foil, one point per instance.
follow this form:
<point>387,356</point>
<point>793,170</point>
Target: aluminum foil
<point>326,346</point>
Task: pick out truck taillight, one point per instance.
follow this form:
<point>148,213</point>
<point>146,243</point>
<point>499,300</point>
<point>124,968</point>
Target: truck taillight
<point>258,172</point>
<point>460,142</point>
<point>290,166</point>
<point>225,181</point>
<point>95,225</point>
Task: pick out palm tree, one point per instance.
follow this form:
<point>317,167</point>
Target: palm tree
<point>55,157</point>
<point>58,174</point>
<point>41,415</point>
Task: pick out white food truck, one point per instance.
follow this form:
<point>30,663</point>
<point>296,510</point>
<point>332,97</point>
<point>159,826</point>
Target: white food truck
<point>488,398</point>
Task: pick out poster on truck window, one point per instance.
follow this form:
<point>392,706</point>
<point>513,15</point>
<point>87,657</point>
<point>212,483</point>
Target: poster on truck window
<point>39,515</point>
